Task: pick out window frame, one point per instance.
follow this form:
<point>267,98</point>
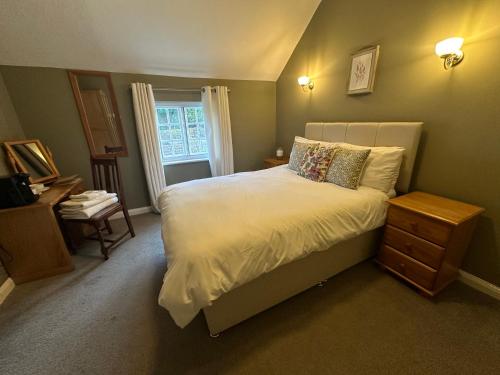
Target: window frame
<point>181,159</point>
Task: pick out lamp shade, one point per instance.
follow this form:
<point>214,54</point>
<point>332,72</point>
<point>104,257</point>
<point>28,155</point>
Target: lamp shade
<point>449,46</point>
<point>304,80</point>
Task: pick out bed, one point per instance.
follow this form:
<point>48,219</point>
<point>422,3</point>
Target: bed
<point>254,239</point>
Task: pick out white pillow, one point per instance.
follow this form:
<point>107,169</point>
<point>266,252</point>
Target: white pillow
<point>321,143</point>
<point>382,167</point>
<point>304,140</point>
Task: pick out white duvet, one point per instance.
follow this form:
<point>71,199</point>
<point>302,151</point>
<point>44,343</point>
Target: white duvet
<point>222,232</point>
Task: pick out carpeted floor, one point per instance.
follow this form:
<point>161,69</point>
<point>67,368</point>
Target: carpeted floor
<point>103,318</point>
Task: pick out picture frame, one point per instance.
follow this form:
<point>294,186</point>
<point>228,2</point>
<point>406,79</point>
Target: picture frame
<point>362,71</point>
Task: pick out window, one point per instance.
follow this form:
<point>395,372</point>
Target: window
<point>181,129</point>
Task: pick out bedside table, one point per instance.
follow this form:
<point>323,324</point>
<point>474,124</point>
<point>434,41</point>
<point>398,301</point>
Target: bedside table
<point>425,239</point>
<point>273,162</point>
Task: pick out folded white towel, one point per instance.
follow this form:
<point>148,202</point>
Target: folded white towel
<point>88,195</point>
<point>86,213</point>
<point>72,204</point>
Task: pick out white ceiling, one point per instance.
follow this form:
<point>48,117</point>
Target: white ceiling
<point>237,39</point>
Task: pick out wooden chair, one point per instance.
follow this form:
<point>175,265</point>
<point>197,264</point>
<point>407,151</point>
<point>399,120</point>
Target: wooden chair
<point>106,176</point>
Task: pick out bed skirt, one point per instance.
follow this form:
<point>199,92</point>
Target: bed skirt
<point>288,280</point>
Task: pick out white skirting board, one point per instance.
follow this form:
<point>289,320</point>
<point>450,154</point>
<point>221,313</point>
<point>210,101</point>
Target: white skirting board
<point>132,212</point>
<point>6,288</point>
<point>479,284</point>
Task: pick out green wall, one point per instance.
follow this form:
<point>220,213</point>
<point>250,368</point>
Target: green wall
<point>10,129</point>
<point>459,154</point>
<point>44,103</point>
<point>175,173</point>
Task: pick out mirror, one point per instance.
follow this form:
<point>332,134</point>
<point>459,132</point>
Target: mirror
<point>96,102</point>
<point>29,156</point>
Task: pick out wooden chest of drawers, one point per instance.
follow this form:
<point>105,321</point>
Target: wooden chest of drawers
<point>426,238</point>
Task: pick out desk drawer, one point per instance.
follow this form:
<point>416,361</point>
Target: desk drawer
<point>417,248</point>
<point>408,267</point>
<point>421,226</point>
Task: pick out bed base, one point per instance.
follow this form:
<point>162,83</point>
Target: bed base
<point>288,280</point>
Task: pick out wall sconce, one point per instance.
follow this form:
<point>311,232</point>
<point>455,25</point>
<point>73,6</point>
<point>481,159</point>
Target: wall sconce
<point>449,50</point>
<point>306,83</point>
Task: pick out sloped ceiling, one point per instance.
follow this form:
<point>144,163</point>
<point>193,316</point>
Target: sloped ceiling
<point>237,39</point>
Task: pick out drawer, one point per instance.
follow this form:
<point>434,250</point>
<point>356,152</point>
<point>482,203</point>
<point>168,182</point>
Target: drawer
<point>417,248</point>
<point>421,226</point>
<point>406,266</point>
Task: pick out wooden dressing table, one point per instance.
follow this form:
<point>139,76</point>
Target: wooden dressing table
<point>32,244</point>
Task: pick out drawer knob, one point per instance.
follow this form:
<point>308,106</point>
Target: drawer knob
<point>414,225</point>
<point>402,267</point>
<point>409,246</point>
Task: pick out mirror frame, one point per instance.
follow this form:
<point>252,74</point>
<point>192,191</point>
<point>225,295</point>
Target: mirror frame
<point>18,166</point>
<point>73,78</point>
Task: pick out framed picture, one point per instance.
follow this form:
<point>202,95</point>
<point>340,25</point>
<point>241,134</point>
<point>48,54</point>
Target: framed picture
<point>362,71</point>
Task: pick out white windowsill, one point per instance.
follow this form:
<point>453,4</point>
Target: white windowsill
<point>184,162</point>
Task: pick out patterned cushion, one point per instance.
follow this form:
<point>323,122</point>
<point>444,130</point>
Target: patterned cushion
<point>346,167</point>
<point>298,151</point>
<point>315,163</point>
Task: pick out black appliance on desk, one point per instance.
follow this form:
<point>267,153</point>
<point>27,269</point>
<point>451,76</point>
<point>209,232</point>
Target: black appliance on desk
<point>15,191</point>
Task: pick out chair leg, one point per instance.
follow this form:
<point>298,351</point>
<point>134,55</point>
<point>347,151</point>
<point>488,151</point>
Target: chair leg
<point>104,250</point>
<point>108,226</point>
<point>129,222</point>
<point>67,236</point>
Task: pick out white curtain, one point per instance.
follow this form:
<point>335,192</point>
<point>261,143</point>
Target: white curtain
<point>220,144</point>
<point>147,133</point>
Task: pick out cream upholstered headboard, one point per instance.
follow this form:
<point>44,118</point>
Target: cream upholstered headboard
<point>403,134</point>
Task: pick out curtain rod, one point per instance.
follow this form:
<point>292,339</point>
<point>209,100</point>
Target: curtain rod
<point>181,90</point>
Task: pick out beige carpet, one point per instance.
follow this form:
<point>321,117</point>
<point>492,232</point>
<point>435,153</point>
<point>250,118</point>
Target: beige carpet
<point>103,319</point>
